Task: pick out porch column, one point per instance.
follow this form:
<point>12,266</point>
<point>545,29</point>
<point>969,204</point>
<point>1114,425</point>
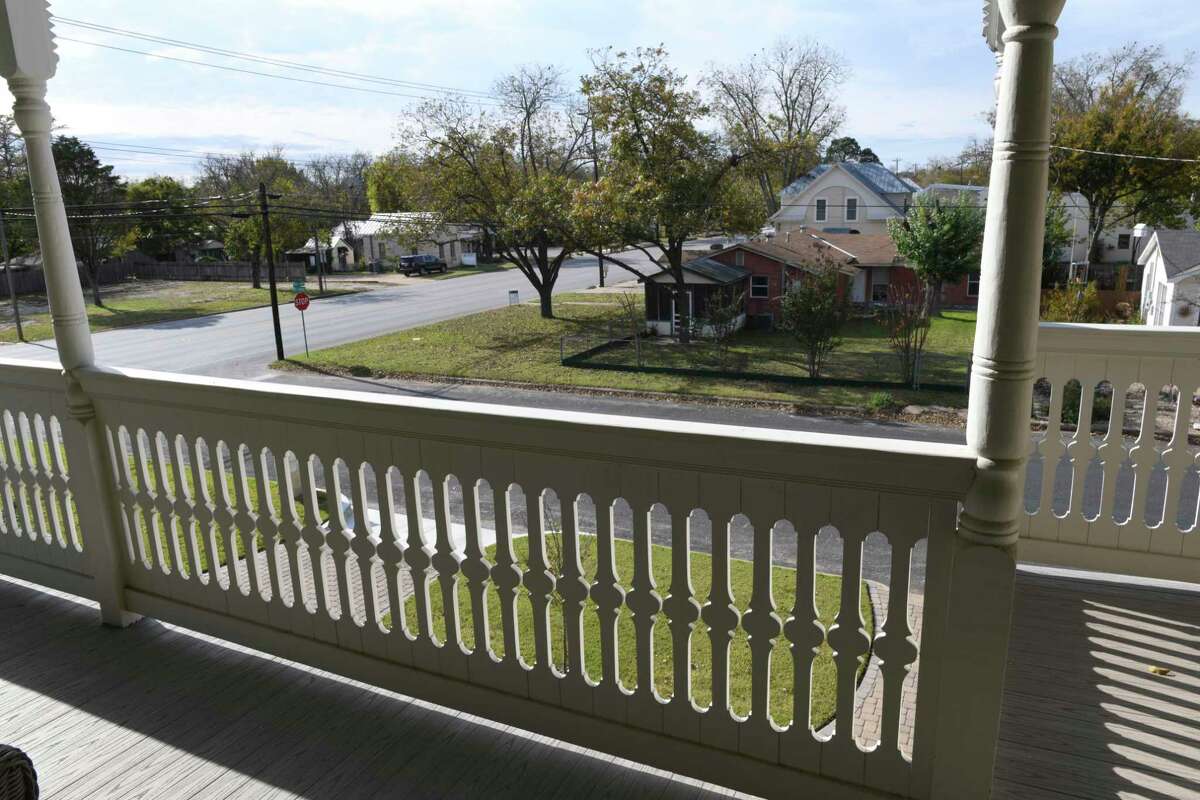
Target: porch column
<point>27,62</point>
<point>980,608</point>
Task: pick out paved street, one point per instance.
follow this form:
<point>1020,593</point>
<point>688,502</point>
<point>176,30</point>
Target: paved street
<point>241,344</point>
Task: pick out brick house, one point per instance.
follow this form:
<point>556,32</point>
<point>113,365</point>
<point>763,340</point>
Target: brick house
<point>759,272</point>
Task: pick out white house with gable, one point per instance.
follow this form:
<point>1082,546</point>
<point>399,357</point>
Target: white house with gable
<point>844,197</point>
<point>1171,282</point>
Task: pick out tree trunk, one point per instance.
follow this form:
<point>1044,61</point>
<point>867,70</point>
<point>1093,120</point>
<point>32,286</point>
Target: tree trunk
<point>546,296</point>
<point>683,330</point>
<point>255,259</point>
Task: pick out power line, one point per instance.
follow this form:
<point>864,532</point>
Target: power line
<point>1125,155</point>
<point>244,71</point>
<point>279,62</point>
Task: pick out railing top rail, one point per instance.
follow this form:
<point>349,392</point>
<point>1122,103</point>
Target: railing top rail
<point>901,466</point>
<point>1133,340</point>
<point>31,374</point>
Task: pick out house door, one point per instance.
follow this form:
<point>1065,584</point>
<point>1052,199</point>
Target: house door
<point>675,321</point>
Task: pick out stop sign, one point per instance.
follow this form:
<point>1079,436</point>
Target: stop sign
<point>301,301</point>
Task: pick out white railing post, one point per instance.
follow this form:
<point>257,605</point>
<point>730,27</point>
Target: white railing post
<point>27,62</point>
<point>979,612</point>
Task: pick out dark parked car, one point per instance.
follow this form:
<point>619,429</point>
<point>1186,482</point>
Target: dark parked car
<point>422,265</point>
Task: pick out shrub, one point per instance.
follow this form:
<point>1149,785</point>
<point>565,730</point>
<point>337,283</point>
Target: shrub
<point>1073,303</point>
<point>813,314</point>
<point>880,401</point>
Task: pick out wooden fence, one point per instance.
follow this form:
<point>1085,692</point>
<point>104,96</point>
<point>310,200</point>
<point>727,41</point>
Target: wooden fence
<point>32,281</point>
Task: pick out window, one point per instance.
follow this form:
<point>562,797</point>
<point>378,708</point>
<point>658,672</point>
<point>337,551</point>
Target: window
<point>1123,241</point>
<point>760,286</point>
<point>382,250</point>
<point>452,250</point>
<point>822,209</point>
<point>739,258</point>
<point>879,293</point>
<point>851,209</point>
<point>973,284</point>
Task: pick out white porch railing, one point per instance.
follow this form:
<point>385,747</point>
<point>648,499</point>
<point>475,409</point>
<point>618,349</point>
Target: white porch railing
<point>1116,490</point>
<point>206,468</point>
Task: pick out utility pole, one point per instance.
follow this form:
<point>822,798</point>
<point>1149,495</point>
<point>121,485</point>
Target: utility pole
<point>12,292</point>
<point>596,179</point>
<point>266,224</point>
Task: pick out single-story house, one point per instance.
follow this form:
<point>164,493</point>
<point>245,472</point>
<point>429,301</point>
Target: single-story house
<point>382,238</point>
<point>1171,278</point>
<point>760,272</point>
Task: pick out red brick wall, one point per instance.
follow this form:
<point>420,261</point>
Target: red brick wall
<point>758,265</point>
<point>952,294</point>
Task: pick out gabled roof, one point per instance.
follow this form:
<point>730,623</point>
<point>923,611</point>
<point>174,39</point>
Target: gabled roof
<point>876,177</point>
<point>1180,251</point>
<point>803,249</point>
<point>716,271</point>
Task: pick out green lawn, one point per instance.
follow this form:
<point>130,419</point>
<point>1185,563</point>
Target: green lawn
<point>462,271</point>
<point>515,344</point>
<point>125,305</point>
<point>824,675</point>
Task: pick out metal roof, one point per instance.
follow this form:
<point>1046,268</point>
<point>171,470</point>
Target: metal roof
<point>1180,251</point>
<point>876,177</point>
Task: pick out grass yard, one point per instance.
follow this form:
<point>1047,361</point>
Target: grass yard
<point>146,302</point>
<point>514,344</point>
<point>824,674</point>
<point>463,271</point>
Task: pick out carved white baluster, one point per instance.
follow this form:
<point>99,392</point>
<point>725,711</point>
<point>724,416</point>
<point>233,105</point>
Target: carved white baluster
<point>906,520</point>
<point>447,566</point>
<point>1059,368</point>
<point>1154,374</point>
<point>245,519</point>
<point>540,581</point>
<point>1166,537</point>
<point>206,519</point>
<point>573,587</point>
<point>477,569</point>
<point>608,594</point>
<point>1081,450</point>
<point>1121,372</point>
<point>313,537</point>
<point>419,557</point>
<point>855,513</point>
<point>719,726</point>
<point>763,504</point>
<point>364,546</point>
<point>680,491</point>
<point>391,553</point>
<point>293,528</point>
<point>639,487</point>
<point>506,575</point>
<point>164,504</point>
<point>809,509</point>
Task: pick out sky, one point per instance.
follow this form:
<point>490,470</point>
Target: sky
<point>922,76</point>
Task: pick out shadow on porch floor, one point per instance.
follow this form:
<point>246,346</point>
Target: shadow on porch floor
<point>158,712</point>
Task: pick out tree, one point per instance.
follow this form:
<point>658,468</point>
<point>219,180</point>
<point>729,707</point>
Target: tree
<point>87,182</point>
<point>237,178</point>
<point>971,167</point>
<point>906,322</point>
<point>667,179</point>
<point>510,170</point>
<point>867,156</point>
<point>940,240</point>
<point>165,226</point>
<point>844,148</point>
<point>813,313</point>
<point>780,108</point>
<point>722,318</point>
<point>390,182</point>
<point>1126,101</point>
<point>1058,236</point>
<point>12,149</point>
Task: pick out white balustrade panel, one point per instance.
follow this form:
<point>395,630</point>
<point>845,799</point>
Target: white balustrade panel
<point>39,523</point>
<point>525,552</point>
<point>1112,483</point>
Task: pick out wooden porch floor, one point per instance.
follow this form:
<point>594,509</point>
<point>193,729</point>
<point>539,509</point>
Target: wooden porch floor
<point>156,712</point>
